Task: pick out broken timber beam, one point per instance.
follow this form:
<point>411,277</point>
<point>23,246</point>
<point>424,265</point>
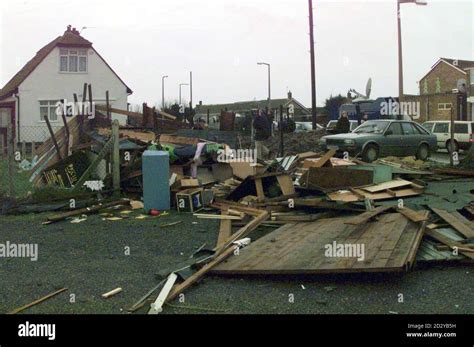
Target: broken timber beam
<point>36,302</point>
<point>449,242</point>
<point>457,221</point>
<point>53,138</point>
<point>367,216</point>
<point>200,273</point>
<point>86,210</point>
<point>225,230</point>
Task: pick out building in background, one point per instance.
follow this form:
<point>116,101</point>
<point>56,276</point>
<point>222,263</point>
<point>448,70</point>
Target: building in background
<point>56,72</point>
<point>447,87</point>
<point>295,108</point>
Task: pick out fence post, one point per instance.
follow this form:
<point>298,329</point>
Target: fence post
<point>23,149</point>
<point>116,158</point>
<point>10,159</point>
<point>2,147</point>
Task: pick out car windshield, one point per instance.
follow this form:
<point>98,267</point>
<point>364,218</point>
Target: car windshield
<point>372,127</point>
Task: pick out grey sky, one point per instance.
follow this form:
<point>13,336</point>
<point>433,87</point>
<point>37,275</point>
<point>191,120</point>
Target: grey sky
<point>221,41</point>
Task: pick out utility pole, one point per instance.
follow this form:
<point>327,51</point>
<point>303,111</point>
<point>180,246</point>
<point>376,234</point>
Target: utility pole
<point>163,92</point>
<point>313,71</point>
<point>180,85</point>
<point>400,55</point>
<point>269,83</point>
<point>399,30</point>
<point>191,96</point>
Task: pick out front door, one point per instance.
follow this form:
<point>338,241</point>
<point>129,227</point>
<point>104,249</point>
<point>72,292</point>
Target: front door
<point>7,117</point>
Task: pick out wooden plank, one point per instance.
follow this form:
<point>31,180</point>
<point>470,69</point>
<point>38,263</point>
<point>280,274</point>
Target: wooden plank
<point>112,293</point>
<point>353,195</point>
<point>216,216</point>
<point>414,216</point>
<point>225,231</point>
<point>200,273</point>
<point>387,185</point>
<point>36,302</point>
<point>457,221</point>
<point>366,216</point>
<point>119,111</point>
<point>286,184</point>
<point>418,240</point>
<point>53,138</point>
<point>166,115</point>
<point>86,210</point>
<point>245,230</point>
<point>325,159</point>
<point>259,188</point>
<point>449,242</point>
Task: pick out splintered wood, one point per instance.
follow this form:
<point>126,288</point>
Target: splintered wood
<point>388,244</point>
<point>387,190</point>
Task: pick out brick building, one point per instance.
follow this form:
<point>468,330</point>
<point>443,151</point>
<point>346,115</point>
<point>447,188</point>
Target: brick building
<point>439,94</point>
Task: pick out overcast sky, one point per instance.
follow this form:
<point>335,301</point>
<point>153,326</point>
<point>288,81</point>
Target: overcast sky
<point>222,40</point>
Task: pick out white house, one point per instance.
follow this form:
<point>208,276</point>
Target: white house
<point>56,72</point>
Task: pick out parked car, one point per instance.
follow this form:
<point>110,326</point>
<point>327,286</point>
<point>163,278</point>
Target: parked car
<point>380,138</point>
<point>463,134</point>
<point>306,126</point>
<point>331,127</point>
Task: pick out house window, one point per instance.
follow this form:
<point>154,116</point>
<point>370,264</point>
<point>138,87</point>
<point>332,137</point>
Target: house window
<point>72,60</point>
<point>444,106</point>
<point>472,76</point>
<point>48,108</point>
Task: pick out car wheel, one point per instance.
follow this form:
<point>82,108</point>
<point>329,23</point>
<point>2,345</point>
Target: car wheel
<point>449,147</point>
<point>423,152</point>
<point>370,154</point>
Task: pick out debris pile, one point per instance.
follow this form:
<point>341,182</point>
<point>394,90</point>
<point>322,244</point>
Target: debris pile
<point>325,214</point>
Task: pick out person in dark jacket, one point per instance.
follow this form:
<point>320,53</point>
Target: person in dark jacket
<point>343,125</point>
<point>262,128</point>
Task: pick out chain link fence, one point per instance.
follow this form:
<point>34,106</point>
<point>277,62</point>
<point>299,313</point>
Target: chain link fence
<point>31,162</point>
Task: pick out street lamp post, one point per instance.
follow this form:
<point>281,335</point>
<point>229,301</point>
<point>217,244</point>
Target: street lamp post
<point>400,56</point>
<point>180,85</point>
<point>269,83</point>
<point>163,92</point>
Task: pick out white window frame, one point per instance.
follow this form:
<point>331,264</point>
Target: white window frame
<point>471,76</point>
<point>51,108</point>
<point>445,106</point>
<point>73,52</point>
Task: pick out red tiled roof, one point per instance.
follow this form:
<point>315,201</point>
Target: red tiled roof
<point>71,37</point>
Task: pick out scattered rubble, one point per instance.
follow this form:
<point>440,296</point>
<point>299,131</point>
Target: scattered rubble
<point>329,215</point>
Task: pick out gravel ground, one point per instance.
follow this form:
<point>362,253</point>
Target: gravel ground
<point>89,258</point>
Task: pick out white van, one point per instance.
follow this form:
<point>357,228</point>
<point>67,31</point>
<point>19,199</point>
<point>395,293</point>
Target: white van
<point>463,133</point>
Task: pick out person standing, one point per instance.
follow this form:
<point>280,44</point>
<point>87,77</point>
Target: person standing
<point>262,128</point>
<point>365,117</point>
<point>343,125</point>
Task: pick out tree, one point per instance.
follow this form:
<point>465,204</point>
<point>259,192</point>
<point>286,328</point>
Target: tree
<point>332,104</point>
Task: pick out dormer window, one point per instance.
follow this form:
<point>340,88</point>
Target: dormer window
<point>72,60</point>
